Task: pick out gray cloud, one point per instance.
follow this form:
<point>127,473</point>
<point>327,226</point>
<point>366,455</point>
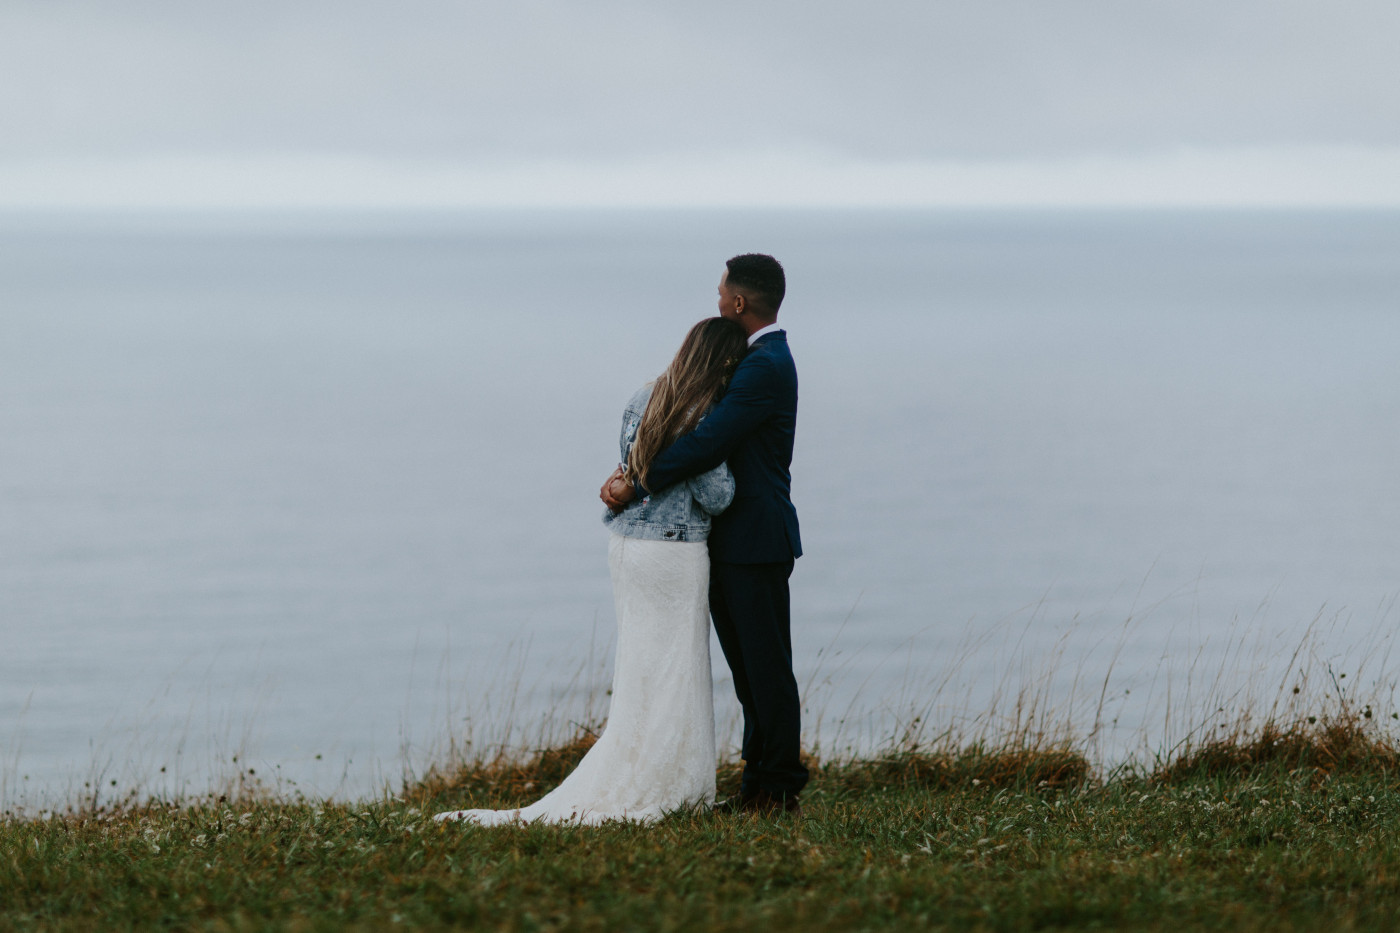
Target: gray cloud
<point>548,79</point>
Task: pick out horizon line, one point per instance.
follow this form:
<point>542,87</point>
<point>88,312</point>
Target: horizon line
<point>1182,178</point>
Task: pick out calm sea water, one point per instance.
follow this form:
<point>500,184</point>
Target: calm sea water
<point>320,493</point>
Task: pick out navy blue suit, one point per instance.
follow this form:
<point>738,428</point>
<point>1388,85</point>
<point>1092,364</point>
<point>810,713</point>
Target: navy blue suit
<point>753,544</point>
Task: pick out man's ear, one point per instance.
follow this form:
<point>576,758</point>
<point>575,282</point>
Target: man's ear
<point>741,303</point>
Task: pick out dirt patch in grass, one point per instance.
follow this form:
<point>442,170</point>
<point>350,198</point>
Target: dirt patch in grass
<point>1021,768</point>
<point>505,780</point>
<point>1347,743</point>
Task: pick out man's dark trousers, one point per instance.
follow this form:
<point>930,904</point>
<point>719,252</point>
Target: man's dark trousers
<point>750,607</point>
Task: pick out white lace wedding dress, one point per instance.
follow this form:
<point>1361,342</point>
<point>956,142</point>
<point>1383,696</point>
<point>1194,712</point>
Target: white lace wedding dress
<point>657,753</point>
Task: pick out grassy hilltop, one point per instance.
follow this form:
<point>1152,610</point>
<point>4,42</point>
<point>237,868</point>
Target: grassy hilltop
<point>1289,828</point>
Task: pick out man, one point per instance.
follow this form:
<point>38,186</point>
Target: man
<point>754,543</point>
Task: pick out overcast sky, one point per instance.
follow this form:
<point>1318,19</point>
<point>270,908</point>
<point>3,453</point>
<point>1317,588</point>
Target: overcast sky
<point>536,99</point>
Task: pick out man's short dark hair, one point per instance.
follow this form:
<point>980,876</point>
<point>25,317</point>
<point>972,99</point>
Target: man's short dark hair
<point>761,278</point>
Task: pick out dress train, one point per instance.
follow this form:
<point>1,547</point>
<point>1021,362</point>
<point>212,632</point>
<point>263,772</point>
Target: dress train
<point>657,752</point>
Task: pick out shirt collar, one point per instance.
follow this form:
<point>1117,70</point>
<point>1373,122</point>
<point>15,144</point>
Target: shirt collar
<point>770,329</point>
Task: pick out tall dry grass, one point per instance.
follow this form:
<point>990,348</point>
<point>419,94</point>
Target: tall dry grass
<point>1042,718</point>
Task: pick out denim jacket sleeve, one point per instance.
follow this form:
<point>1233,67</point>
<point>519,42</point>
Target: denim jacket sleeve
<point>680,513</point>
<point>631,419</point>
<point>714,489</point>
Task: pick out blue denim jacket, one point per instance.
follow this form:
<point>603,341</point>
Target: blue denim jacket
<point>677,513</point>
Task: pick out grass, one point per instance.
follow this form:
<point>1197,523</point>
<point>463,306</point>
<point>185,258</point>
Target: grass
<point>1008,816</point>
<point>1289,827</point>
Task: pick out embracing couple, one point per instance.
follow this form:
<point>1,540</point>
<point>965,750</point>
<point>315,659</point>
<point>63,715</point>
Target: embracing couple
<point>702,525</point>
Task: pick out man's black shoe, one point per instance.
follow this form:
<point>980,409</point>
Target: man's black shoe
<point>765,804</point>
<point>732,806</point>
<point>759,803</point>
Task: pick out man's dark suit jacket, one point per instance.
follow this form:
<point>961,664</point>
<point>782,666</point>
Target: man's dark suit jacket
<point>752,428</point>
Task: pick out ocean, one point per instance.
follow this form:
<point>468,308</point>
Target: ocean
<point>318,493</point>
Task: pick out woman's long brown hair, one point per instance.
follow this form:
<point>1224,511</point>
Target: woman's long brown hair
<point>682,394</point>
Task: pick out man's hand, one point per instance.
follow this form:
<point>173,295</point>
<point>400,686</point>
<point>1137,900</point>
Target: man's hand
<point>616,491</point>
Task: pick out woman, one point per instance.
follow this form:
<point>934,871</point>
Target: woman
<point>657,753</point>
